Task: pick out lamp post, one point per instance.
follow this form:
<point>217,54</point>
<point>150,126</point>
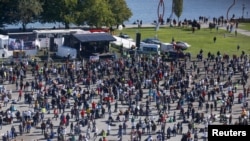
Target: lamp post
<point>47,46</point>
<point>243,10</point>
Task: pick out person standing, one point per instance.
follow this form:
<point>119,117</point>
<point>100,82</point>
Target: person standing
<point>13,131</point>
<point>20,95</point>
<point>1,122</point>
<point>43,126</point>
<point>124,126</point>
<point>238,47</point>
<point>108,131</point>
<point>20,129</point>
<point>6,100</point>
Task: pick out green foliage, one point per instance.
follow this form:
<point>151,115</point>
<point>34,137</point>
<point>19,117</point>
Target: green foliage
<point>120,10</point>
<point>28,10</point>
<point>98,13</point>
<point>20,11</point>
<point>63,11</point>
<point>178,8</point>
<point>51,11</point>
<point>93,12</point>
<point>9,14</point>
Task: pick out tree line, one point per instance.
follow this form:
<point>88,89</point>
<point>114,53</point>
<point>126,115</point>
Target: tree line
<point>79,12</point>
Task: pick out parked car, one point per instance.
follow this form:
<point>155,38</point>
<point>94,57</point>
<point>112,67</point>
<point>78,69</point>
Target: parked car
<point>182,45</point>
<point>126,36</point>
<point>152,41</point>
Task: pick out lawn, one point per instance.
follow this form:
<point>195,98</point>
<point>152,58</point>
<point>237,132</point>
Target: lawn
<point>245,26</point>
<point>200,39</point>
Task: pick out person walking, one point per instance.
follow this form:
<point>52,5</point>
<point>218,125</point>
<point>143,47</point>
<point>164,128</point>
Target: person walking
<point>43,126</point>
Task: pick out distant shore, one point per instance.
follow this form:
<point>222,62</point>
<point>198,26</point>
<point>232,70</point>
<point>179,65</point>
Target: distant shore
<point>132,25</point>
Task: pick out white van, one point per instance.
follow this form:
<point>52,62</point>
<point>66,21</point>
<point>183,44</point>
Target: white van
<point>166,47</point>
<point>150,48</point>
<point>64,51</point>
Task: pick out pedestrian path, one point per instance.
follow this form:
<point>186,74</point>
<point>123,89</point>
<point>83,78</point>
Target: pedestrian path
<point>240,31</point>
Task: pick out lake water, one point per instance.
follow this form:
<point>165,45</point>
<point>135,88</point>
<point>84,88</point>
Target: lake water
<point>146,10</point>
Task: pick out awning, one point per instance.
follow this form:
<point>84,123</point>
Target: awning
<point>94,37</point>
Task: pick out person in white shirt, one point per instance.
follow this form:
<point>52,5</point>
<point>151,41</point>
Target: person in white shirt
<point>150,138</point>
<point>6,100</point>
<point>29,114</point>
<point>205,135</point>
<point>109,128</point>
<point>64,132</point>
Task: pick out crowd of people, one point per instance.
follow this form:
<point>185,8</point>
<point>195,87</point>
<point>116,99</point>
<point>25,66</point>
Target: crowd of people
<point>139,94</point>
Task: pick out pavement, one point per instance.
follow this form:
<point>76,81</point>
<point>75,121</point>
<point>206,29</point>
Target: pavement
<point>36,135</point>
<point>203,25</point>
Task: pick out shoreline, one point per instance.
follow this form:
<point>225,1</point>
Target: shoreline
<point>60,26</point>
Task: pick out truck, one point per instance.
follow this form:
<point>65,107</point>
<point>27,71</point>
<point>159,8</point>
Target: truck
<point>166,47</point>
<point>152,49</point>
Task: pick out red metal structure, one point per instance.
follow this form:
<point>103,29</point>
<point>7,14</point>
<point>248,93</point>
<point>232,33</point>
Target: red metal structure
<point>161,11</point>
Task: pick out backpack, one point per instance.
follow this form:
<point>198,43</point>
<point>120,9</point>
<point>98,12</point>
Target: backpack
<point>132,119</point>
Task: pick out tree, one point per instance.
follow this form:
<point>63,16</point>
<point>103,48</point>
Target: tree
<point>20,11</point>
<point>98,13</point>
<point>120,10</point>
<point>93,12</point>
<point>106,12</point>
<point>51,11</point>
<point>10,12</point>
<point>28,11</point>
<point>178,8</point>
<point>68,13</point>
<point>63,11</point>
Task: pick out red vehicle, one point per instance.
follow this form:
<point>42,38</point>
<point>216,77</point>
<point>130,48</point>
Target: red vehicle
<point>98,30</point>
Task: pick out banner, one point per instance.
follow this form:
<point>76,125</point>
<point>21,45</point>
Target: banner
<point>21,42</point>
<point>15,44</point>
<point>94,58</point>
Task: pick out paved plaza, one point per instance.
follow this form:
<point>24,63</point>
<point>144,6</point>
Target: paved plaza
<point>35,133</point>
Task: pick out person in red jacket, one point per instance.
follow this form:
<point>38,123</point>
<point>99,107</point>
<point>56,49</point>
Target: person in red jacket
<point>82,113</point>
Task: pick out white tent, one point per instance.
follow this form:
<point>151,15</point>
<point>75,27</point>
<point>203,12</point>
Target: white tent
<point>4,39</point>
<point>127,44</point>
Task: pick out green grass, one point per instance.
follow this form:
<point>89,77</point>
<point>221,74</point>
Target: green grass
<point>201,39</point>
<point>245,26</point>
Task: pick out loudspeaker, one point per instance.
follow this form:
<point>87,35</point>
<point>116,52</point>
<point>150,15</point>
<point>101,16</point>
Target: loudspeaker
<point>51,43</point>
<point>138,40</point>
